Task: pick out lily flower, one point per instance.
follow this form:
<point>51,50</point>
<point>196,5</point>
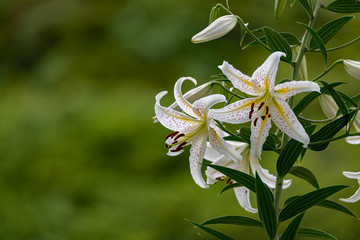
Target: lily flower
<point>216,29</point>
<point>242,193</point>
<point>192,128</point>
<point>269,103</point>
<point>356,196</point>
<point>352,67</point>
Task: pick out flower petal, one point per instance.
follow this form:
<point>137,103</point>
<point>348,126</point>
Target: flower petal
<point>353,198</point>
<point>238,79</point>
<point>237,112</point>
<point>243,196</point>
<point>197,151</point>
<point>180,99</point>
<point>289,89</point>
<point>352,175</point>
<point>211,154</point>
<point>220,145</point>
<point>264,77</point>
<point>285,119</point>
<point>264,174</point>
<point>259,131</point>
<point>353,140</point>
<point>352,67</point>
<point>174,120</point>
<point>212,174</point>
<point>201,106</point>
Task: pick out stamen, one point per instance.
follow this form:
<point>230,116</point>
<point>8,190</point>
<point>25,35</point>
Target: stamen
<point>179,136</point>
<point>269,116</point>
<point>261,105</point>
<point>171,135</point>
<point>166,145</point>
<point>227,182</point>
<point>267,110</point>
<point>251,110</point>
<point>181,145</point>
<point>255,121</point>
<point>263,117</point>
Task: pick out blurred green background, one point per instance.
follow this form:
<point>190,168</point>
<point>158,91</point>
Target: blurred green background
<point>80,157</point>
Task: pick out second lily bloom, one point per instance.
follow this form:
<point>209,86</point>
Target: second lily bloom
<point>269,102</point>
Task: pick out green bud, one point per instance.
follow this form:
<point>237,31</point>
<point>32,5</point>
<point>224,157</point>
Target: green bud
<point>279,7</point>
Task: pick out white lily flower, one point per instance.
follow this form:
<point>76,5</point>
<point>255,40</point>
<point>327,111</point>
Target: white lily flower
<point>216,29</point>
<point>269,103</point>
<point>352,67</point>
<point>242,193</point>
<point>356,196</point>
<point>328,105</point>
<point>192,128</point>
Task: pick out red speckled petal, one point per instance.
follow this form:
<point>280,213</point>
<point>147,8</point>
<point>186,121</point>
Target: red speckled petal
<point>285,119</point>
<point>201,106</point>
<point>289,89</point>
<point>259,134</point>
<point>197,151</point>
<point>180,99</point>
<point>238,79</point>
<point>264,77</point>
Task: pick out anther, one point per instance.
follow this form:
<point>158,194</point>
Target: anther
<point>181,145</point>
<point>269,116</point>
<point>261,105</point>
<point>179,136</point>
<point>263,117</point>
<point>171,135</point>
<point>267,110</point>
<point>251,110</point>
<point>255,121</point>
<point>227,182</point>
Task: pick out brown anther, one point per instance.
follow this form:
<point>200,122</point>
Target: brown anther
<point>263,117</point>
<point>269,116</point>
<point>171,135</point>
<point>261,105</point>
<point>267,110</point>
<point>251,110</point>
<point>167,146</point>
<point>179,136</point>
<point>255,121</point>
<point>227,182</point>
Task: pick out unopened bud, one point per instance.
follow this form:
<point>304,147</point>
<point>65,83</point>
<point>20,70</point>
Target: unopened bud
<point>328,105</point>
<point>353,68</point>
<point>216,29</point>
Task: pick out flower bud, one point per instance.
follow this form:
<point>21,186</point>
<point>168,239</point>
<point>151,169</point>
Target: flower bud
<point>353,68</point>
<point>328,105</point>
<point>216,29</point>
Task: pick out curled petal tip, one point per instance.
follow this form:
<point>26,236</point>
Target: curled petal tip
<point>159,96</point>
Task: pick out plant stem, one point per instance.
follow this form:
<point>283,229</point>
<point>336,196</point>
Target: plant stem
<point>277,197</point>
<point>329,69</point>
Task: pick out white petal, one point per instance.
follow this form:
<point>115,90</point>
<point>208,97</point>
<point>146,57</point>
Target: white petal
<point>237,112</point>
<point>220,145</point>
<point>174,120</point>
<point>197,151</point>
<point>353,140</point>
<point>243,196</point>
<point>264,77</point>
<point>216,29</point>
<point>353,198</point>
<point>259,132</point>
<point>201,106</point>
<point>264,174</point>
<point>353,68</point>
<point>289,89</point>
<point>212,174</point>
<point>285,119</point>
<point>328,105</point>
<point>180,99</point>
<point>211,154</point>
<point>352,175</point>
<point>238,79</point>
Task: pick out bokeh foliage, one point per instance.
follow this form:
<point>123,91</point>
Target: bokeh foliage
<point>80,157</point>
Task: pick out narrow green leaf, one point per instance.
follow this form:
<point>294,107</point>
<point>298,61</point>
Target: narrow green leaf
<point>315,233</point>
<point>328,132</point>
<point>305,174</point>
<point>305,102</point>
<point>266,207</point>
<point>240,177</point>
<point>307,201</point>
<point>349,101</point>
<point>329,30</point>
<point>337,98</point>
<point>231,186</point>
<point>356,98</point>
<point>344,6</point>
<point>291,39</point>
<point>279,7</point>
<point>214,14</point>
<point>290,231</point>
<point>277,42</point>
<point>318,41</point>
<point>202,237</point>
<point>309,130</point>
<point>289,155</point>
<point>213,232</point>
<point>336,206</point>
<point>235,220</point>
<point>244,134</point>
<point>307,6</point>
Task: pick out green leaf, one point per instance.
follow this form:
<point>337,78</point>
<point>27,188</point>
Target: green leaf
<point>307,201</point>
<point>349,101</point>
<point>305,102</point>
<point>291,39</point>
<point>336,206</point>
<point>289,155</point>
<point>277,42</point>
<point>328,131</point>
<point>214,14</point>
<point>318,41</point>
<point>266,207</point>
<point>240,177</point>
<point>312,232</point>
<point>279,7</point>
<point>337,98</point>
<point>329,30</point>
<point>307,6</point>
<point>213,232</point>
<point>231,186</point>
<point>305,174</point>
<point>290,231</point>
<point>202,237</point>
<point>344,6</point>
<point>236,220</point>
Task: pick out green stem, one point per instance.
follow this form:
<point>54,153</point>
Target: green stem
<point>277,196</point>
<point>340,47</point>
<point>329,69</point>
<point>335,138</point>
